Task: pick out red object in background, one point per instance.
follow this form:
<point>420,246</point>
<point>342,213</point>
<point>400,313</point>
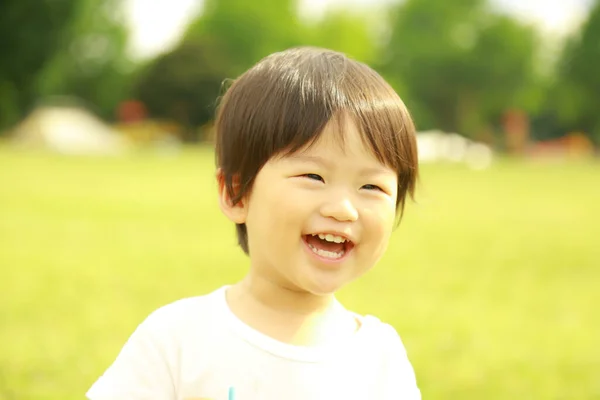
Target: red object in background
<point>516,129</point>
<point>131,111</point>
<point>574,145</point>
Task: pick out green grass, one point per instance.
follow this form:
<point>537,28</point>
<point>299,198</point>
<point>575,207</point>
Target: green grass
<point>492,279</point>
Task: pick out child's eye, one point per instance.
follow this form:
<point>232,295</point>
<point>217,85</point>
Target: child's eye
<point>372,187</point>
<point>315,177</point>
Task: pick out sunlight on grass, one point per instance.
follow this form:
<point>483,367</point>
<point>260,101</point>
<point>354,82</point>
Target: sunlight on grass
<point>491,279</point>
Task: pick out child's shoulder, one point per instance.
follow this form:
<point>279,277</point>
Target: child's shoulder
<point>186,311</point>
<point>378,333</point>
<point>388,353</point>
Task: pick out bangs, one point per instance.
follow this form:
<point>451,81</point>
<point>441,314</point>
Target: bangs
<point>380,116</point>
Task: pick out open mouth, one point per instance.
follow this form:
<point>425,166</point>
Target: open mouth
<point>328,246</point>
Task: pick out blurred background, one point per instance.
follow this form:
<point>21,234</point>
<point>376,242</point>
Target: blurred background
<point>108,202</point>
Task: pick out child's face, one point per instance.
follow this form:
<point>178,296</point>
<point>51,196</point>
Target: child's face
<point>329,189</point>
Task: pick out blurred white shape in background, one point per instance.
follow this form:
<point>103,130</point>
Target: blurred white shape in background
<point>68,130</point>
<point>436,146</point>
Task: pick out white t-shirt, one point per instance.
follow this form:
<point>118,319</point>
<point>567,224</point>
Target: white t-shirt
<point>196,348</point>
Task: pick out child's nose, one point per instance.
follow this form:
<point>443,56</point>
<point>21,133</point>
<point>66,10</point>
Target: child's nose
<point>341,209</point>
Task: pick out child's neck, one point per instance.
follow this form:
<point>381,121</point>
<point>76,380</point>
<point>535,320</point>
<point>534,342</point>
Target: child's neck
<point>287,315</point>
<point>284,300</point>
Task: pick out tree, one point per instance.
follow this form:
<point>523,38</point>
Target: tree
<point>574,96</point>
<point>92,65</point>
<point>346,31</point>
<point>62,47</point>
<point>229,37</point>
<point>184,84</point>
<point>247,31</point>
<point>459,64</point>
<point>30,34</point>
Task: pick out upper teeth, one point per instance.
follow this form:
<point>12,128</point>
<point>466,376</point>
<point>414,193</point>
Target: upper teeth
<point>330,238</point>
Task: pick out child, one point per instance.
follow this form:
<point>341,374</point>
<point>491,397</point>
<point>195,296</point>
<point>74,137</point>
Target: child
<point>315,155</point>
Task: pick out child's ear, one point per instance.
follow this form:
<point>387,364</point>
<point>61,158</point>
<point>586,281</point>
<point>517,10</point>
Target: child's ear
<point>235,212</point>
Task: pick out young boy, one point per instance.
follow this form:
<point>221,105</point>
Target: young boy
<point>316,155</point>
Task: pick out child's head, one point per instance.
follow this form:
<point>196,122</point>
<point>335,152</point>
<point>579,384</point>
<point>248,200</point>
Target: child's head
<point>306,119</point>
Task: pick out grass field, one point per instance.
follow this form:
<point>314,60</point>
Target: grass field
<point>492,280</point>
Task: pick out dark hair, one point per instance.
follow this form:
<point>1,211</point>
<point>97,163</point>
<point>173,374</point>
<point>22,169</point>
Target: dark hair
<point>282,104</point>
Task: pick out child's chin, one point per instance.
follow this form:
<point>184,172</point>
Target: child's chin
<point>323,288</point>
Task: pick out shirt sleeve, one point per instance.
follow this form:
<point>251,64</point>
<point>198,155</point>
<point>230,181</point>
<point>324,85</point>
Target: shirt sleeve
<point>142,368</point>
<point>401,382</point>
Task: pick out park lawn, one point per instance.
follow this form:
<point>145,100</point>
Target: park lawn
<point>491,279</point>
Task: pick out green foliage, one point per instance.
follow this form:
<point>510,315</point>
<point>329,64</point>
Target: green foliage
<point>30,33</point>
<point>575,98</point>
<point>228,38</point>
<point>458,65</point>
<point>247,30</point>
<point>92,64</point>
<point>184,84</point>
<point>64,47</point>
<point>461,66</point>
<point>345,31</point>
<point>491,279</point>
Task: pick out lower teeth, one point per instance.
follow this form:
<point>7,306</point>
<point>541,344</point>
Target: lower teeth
<point>325,253</point>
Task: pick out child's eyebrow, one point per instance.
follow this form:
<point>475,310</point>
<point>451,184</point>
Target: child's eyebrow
<point>328,164</point>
